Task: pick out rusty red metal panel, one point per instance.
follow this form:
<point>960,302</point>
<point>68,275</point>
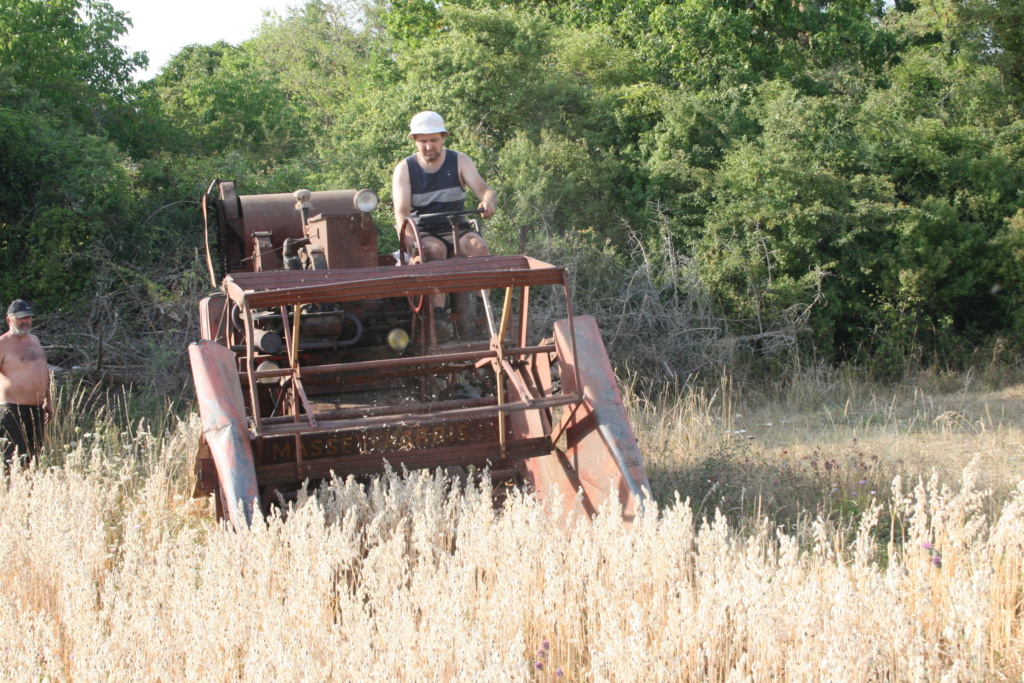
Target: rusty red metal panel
<point>256,282</point>
<point>225,427</point>
<point>265,256</point>
<point>205,471</point>
<point>212,311</point>
<point>349,241</point>
<point>276,213</point>
<point>283,428</point>
<point>230,199</point>
<point>439,361</point>
<point>551,476</point>
<point>355,444</point>
<point>601,446</point>
<point>264,290</point>
<point>481,455</point>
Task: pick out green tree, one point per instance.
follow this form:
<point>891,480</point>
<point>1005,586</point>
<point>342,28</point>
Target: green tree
<point>988,30</point>
<point>60,189</point>
<point>67,50</point>
<point>409,21</point>
<point>317,58</point>
<point>489,74</point>
<point>550,187</point>
<point>954,152</point>
<point>221,97</point>
<point>793,213</point>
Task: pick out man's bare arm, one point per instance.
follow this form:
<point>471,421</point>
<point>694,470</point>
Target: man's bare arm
<point>48,399</point>
<point>472,178</point>
<point>401,195</point>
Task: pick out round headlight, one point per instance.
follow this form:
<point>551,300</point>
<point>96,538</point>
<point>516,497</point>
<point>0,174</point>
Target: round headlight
<point>398,339</point>
<point>366,200</point>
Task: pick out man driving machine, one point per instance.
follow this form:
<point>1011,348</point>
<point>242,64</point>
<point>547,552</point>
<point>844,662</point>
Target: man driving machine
<point>434,181</point>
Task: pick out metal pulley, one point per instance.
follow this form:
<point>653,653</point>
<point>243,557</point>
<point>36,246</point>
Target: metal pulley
<point>290,252</point>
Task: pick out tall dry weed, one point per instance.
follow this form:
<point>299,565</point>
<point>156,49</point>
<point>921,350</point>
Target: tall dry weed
<point>828,444</point>
<point>776,567</point>
<point>109,573</point>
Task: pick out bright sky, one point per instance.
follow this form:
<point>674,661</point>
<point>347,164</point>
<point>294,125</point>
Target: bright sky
<point>162,28</point>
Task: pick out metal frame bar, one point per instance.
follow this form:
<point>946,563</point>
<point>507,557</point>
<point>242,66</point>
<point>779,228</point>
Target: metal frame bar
<point>274,288</point>
<point>281,289</point>
<point>389,419</point>
<point>482,455</point>
<point>250,365</point>
<point>375,366</point>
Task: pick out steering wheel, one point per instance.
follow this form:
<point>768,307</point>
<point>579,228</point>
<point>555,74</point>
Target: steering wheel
<point>453,214</point>
<point>407,238</point>
<point>453,217</point>
<point>410,237</point>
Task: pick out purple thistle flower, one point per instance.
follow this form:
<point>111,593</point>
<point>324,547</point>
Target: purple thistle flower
<point>937,560</point>
<point>872,493</point>
<point>544,645</point>
<point>863,481</point>
<point>541,653</point>
<point>539,666</point>
<point>559,673</point>
<point>926,546</point>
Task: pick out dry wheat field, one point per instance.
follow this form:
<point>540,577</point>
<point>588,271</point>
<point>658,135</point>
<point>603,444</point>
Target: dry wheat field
<point>837,533</point>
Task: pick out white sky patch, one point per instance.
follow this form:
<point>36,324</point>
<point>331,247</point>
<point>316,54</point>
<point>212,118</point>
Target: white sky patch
<point>162,28</point>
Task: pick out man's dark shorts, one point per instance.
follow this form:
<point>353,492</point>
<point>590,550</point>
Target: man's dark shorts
<point>444,233</point>
<point>22,429</point>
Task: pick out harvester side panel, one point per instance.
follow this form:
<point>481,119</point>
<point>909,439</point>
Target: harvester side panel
<point>601,449</point>
<point>222,412</point>
<point>552,477</point>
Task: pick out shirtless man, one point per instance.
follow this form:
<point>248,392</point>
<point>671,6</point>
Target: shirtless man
<point>434,180</point>
<point>24,386</point>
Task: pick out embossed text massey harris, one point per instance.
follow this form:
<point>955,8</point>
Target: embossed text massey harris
<point>321,357</point>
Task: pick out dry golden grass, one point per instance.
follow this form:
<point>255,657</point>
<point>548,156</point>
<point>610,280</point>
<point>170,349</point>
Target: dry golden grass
<point>828,444</point>
<point>109,572</point>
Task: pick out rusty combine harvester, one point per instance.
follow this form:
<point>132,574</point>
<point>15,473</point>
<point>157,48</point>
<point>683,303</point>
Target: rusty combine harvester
<point>321,357</point>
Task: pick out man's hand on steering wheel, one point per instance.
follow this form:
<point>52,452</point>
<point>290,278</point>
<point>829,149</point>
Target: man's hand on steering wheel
<point>488,208</point>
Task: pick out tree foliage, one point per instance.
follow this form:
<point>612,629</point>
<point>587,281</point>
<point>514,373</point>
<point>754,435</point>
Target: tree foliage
<point>851,164</point>
<point>61,189</point>
<point>68,49</point>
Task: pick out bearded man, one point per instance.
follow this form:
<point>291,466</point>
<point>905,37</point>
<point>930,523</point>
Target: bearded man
<point>24,387</point>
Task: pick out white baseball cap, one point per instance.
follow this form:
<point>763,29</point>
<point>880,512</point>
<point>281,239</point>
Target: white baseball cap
<point>425,123</point>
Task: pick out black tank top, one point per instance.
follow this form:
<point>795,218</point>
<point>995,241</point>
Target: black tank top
<point>437,192</point>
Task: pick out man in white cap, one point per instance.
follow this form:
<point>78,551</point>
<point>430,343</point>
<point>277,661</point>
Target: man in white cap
<point>24,386</point>
<point>434,180</point>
